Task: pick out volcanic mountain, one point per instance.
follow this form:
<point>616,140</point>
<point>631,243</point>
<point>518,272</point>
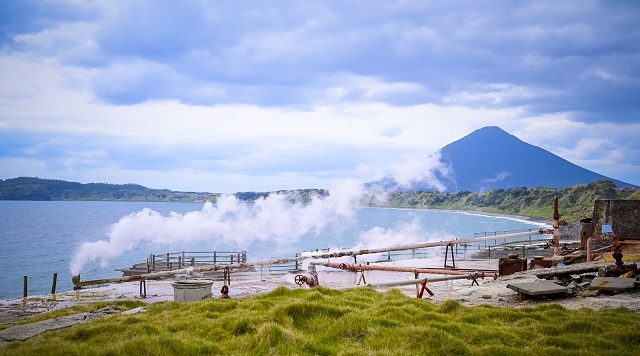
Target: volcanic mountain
<point>490,158</point>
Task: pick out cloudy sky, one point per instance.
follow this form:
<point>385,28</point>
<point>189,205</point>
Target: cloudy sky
<point>226,96</point>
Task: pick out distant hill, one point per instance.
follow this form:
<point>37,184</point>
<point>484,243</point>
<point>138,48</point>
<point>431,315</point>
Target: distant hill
<point>490,158</point>
<point>31,188</point>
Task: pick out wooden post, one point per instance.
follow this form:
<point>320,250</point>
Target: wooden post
<point>182,263</point>
<point>214,257</point>
<point>53,286</point>
<point>26,283</point>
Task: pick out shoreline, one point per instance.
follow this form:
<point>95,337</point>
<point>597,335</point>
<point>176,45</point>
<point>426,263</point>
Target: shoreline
<point>525,218</point>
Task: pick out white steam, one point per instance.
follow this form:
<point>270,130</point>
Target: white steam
<point>417,169</point>
<point>229,221</point>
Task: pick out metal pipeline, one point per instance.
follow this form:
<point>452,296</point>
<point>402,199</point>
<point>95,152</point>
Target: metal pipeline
<point>158,275</point>
<point>357,267</point>
<point>431,244</point>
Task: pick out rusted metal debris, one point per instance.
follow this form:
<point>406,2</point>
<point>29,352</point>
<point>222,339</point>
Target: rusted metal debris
<point>511,264</point>
<point>540,262</point>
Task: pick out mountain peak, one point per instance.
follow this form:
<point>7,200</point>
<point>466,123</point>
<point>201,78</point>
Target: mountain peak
<point>491,158</point>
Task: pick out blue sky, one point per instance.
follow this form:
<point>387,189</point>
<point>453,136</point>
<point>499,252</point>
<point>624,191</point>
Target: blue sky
<point>226,96</point>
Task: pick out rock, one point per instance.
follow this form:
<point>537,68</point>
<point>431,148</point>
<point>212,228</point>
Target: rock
<point>591,293</point>
<point>486,296</point>
<point>134,311</point>
<point>585,285</point>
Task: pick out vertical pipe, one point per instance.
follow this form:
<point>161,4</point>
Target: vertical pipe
<point>26,283</point>
<point>53,286</point>
<point>556,228</point>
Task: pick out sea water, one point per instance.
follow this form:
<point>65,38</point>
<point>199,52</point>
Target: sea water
<point>39,239</point>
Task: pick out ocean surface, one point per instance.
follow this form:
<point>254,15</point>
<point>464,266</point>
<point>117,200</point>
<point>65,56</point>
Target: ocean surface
<point>39,239</point>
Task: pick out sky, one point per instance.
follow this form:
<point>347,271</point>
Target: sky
<point>229,96</point>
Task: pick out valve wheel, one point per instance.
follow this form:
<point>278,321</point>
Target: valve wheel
<point>300,279</point>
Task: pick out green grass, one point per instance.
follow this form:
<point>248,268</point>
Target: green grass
<point>321,321</point>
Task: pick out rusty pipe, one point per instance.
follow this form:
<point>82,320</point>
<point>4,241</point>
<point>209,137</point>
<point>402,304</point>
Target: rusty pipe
<point>357,267</point>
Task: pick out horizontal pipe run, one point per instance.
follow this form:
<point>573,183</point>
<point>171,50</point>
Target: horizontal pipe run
<point>406,282</point>
<point>357,267</point>
<point>431,244</point>
<point>157,275</point>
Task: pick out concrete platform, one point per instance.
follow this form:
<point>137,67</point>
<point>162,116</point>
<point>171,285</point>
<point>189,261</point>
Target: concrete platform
<point>542,287</point>
<point>613,283</point>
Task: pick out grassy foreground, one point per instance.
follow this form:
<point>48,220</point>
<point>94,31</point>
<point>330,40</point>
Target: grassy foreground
<point>321,321</point>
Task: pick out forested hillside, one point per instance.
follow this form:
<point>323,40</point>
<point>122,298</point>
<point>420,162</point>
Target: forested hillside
<point>28,188</point>
<point>575,203</point>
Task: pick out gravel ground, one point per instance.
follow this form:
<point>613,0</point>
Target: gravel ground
<point>490,291</point>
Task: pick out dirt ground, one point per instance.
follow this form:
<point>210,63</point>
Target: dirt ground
<point>489,291</point>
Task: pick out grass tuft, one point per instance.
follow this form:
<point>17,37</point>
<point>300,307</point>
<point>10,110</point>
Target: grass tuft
<point>450,306</point>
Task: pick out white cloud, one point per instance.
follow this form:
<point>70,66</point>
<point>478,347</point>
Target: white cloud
<point>263,95</point>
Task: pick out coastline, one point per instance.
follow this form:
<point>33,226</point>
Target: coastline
<point>525,218</point>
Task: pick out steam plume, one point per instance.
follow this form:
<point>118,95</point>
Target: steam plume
<point>272,218</point>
